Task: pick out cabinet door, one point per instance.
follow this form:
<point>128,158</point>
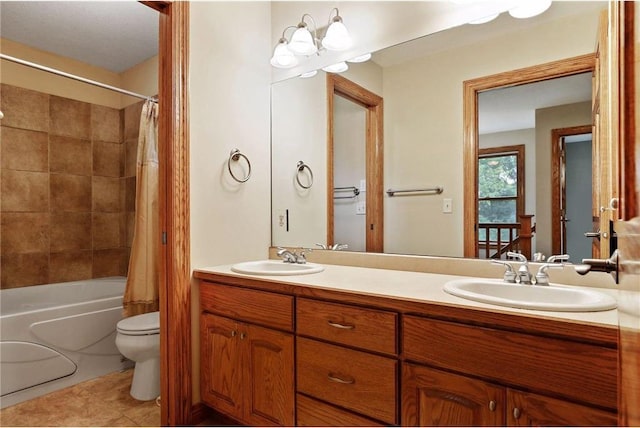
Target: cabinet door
<point>436,398</point>
<point>221,374</point>
<point>269,376</point>
<point>525,409</point>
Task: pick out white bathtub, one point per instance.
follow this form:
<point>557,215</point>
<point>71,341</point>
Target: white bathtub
<point>56,335</point>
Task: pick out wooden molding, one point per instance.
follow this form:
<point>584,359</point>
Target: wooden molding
<point>338,85</point>
<point>471,89</point>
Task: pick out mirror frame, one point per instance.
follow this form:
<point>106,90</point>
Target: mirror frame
<point>472,88</point>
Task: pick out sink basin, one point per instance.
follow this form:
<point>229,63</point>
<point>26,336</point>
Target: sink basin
<point>276,267</point>
<point>542,298</point>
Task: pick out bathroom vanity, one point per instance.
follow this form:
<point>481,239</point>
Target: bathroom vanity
<point>361,346</point>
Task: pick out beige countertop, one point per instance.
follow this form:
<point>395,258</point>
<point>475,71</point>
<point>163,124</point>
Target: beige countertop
<point>412,286</point>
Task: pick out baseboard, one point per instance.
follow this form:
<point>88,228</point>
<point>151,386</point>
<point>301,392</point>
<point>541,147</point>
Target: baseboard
<point>203,415</point>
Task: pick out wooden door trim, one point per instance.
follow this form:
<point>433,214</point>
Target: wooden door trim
<point>471,89</point>
<point>175,266</point>
<point>338,85</point>
<point>556,195</point>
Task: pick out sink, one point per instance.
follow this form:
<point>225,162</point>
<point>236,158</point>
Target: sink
<point>542,298</point>
<point>276,267</point>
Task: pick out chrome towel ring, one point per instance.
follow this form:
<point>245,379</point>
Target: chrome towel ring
<point>235,156</point>
<point>300,168</point>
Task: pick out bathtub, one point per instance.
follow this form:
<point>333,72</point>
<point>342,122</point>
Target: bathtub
<point>56,335</point>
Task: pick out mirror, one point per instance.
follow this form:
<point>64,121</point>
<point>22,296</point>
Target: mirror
<point>421,84</point>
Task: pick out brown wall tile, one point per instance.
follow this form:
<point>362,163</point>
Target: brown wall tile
<point>24,108</point>
<point>70,231</point>
<point>70,266</point>
<point>107,159</point>
<point>106,230</point>
<point>24,150</point>
<point>20,270</point>
<point>130,194</point>
<point>106,194</point>
<point>132,115</point>
<point>25,233</point>
<point>70,117</point>
<point>106,124</point>
<point>25,191</point>
<point>108,262</point>
<point>70,193</point>
<point>130,157</point>
<point>70,155</point>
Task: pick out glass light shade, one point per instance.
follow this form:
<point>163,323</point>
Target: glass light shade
<point>337,37</point>
<point>530,8</point>
<point>485,19</point>
<point>361,58</point>
<point>309,74</point>
<point>283,57</point>
<point>302,42</point>
<point>336,68</point>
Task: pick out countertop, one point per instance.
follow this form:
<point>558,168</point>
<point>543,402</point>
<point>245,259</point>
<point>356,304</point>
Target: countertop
<point>419,287</point>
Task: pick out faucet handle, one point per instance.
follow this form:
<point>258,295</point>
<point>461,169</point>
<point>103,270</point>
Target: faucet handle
<point>518,256</point>
<point>322,246</point>
<point>542,278</point>
<point>509,274</point>
<point>558,258</point>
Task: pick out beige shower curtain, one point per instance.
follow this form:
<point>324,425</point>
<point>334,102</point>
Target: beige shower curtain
<point>141,293</point>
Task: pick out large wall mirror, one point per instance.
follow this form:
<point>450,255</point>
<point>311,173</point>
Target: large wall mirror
<point>421,83</point>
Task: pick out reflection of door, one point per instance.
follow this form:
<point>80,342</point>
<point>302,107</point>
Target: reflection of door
<point>373,153</point>
<point>572,190</point>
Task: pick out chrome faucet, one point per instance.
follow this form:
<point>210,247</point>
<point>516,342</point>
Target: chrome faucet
<point>524,276</point>
<point>542,278</point>
<point>336,247</point>
<point>292,256</point>
<point>509,274</point>
<point>558,258</point>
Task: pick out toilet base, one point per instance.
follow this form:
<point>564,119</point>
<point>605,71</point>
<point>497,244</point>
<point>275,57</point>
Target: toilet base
<point>146,380</point>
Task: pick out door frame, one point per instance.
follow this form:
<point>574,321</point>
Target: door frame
<point>374,148</point>
<point>558,183</point>
<point>471,90</point>
<point>175,258</point>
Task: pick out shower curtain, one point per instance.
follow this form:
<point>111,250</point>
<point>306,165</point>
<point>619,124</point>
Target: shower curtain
<point>141,293</point>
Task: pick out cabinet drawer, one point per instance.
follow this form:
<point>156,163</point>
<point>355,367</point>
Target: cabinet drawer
<point>355,380</point>
<point>369,329</point>
<point>260,307</point>
<point>582,371</point>
<point>314,413</point>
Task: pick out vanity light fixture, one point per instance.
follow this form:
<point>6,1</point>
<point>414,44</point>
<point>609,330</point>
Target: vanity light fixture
<point>530,8</point>
<point>336,68</point>
<point>361,58</point>
<point>304,42</point>
<point>309,74</point>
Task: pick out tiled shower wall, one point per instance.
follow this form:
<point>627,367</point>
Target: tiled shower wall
<point>68,188</point>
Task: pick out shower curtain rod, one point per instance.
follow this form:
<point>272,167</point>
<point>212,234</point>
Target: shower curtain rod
<point>73,76</point>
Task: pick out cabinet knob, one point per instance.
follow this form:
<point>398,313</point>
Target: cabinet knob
<point>233,333</point>
<point>492,405</point>
<point>342,326</point>
<point>242,336</point>
<point>516,413</point>
<point>335,378</point>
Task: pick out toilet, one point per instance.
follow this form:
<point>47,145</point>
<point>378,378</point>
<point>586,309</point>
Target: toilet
<point>138,339</point>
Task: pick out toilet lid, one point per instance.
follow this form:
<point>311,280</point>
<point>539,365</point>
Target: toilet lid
<point>139,325</point>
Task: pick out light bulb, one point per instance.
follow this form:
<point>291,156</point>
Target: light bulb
<point>282,56</point>
<point>302,42</point>
<point>361,58</point>
<point>336,68</point>
<point>309,74</point>
<point>337,37</point>
<point>530,8</point>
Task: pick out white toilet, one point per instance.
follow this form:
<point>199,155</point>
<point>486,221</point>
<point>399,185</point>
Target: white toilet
<point>138,339</point>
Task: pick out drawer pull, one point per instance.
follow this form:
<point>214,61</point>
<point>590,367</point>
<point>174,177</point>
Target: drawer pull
<point>334,378</point>
<point>516,413</point>
<point>342,326</point>
<point>492,406</point>
<point>233,333</point>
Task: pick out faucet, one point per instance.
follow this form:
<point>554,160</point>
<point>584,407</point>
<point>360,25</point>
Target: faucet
<point>523,275</point>
<point>509,274</point>
<point>558,258</point>
<point>292,256</point>
<point>336,247</point>
<point>542,278</point>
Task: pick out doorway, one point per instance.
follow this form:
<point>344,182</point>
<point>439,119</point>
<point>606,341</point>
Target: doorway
<point>353,100</point>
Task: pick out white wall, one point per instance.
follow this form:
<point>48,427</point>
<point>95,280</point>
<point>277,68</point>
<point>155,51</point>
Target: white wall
<point>229,77</point>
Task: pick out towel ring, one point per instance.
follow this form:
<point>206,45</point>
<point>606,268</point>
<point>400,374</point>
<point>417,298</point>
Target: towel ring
<point>235,156</point>
<point>301,167</point>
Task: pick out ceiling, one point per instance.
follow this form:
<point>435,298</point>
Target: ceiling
<point>114,35</point>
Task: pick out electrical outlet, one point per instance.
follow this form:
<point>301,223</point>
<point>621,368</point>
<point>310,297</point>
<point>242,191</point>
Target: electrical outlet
<point>447,206</point>
<point>361,208</point>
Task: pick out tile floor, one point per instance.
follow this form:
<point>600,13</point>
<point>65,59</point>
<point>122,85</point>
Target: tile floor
<point>104,401</point>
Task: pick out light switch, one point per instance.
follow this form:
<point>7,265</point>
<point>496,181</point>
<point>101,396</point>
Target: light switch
<point>361,208</point>
<point>447,205</point>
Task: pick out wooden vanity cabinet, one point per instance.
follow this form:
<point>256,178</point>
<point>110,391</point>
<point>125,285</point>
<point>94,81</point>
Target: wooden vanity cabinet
<point>458,374</point>
<point>247,370</point>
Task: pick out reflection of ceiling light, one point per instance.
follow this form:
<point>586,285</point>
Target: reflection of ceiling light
<point>485,19</point>
<point>309,74</point>
<point>336,68</point>
<point>361,58</point>
<point>530,8</point>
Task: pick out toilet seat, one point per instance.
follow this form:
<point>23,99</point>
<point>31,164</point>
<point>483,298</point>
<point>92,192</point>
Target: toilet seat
<point>140,325</point>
